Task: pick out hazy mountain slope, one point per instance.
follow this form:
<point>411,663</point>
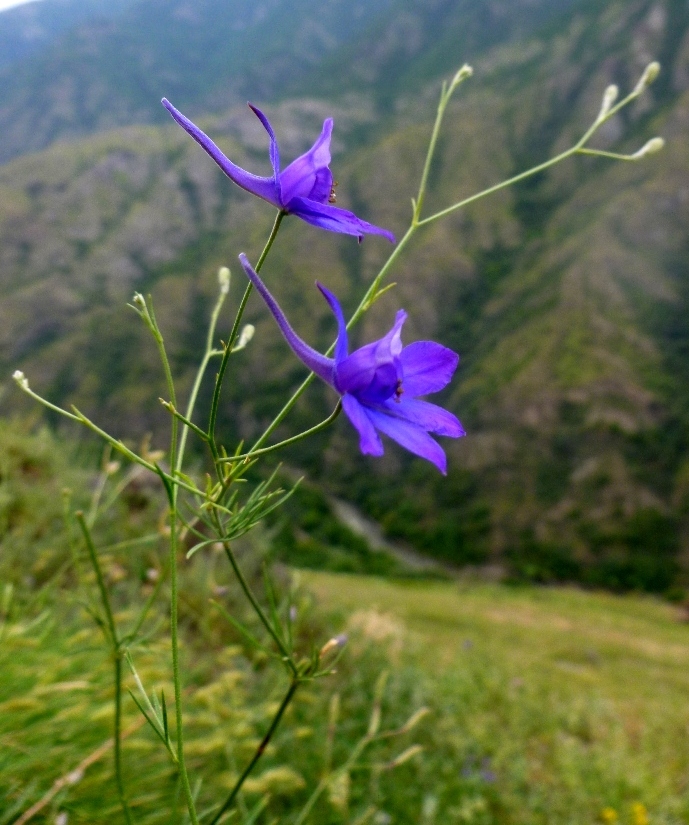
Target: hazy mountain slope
<point>31,27</point>
<point>210,54</point>
<point>567,298</point>
<point>204,56</point>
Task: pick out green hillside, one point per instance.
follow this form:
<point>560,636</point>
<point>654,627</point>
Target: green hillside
<point>566,297</point>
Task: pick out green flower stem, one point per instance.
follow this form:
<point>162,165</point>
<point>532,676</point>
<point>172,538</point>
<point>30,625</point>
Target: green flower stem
<point>296,681</point>
<point>233,335</point>
<point>116,650</point>
<point>445,95</point>
<point>208,354</point>
<point>293,440</point>
<point>286,655</point>
<point>173,491</point>
<point>353,758</point>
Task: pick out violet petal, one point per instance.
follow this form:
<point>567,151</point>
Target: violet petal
<point>411,437</point>
<point>357,372</point>
<point>334,219</point>
<point>369,440</point>
<point>431,417</point>
<point>341,345</point>
<point>308,176</point>
<point>274,151</point>
<point>427,367</point>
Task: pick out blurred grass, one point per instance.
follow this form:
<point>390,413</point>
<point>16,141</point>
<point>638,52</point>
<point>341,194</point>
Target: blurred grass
<point>579,702</point>
<point>551,706</point>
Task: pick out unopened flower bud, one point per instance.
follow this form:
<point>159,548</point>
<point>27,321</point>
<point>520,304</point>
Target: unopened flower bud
<point>21,379</point>
<point>654,145</point>
<point>609,97</point>
<point>414,719</point>
<point>465,72</point>
<point>224,280</point>
<point>139,301</point>
<point>245,336</point>
<point>650,73</point>
<point>112,467</point>
<point>333,644</point>
<point>405,756</point>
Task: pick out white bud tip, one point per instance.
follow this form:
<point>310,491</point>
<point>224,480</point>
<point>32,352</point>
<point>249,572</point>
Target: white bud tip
<point>609,97</point>
<point>465,72</point>
<point>21,379</point>
<point>246,335</point>
<point>654,145</point>
<point>138,300</point>
<point>224,279</point>
<point>650,73</point>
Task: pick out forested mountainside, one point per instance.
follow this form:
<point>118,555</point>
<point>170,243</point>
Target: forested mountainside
<point>30,28</point>
<point>209,54</point>
<point>566,296</point>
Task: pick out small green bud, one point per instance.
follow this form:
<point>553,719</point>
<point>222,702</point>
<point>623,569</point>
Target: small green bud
<point>405,756</point>
<point>414,719</point>
<point>21,379</point>
<point>245,336</point>
<point>224,280</point>
<point>465,72</point>
<point>650,73</point>
<point>650,148</point>
<point>609,97</point>
<point>139,301</point>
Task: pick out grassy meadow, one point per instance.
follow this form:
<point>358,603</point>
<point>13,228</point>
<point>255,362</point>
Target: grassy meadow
<point>547,705</point>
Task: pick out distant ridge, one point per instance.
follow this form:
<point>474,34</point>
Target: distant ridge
<point>566,297</point>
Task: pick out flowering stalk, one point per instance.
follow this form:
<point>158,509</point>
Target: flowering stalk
<point>233,337</point>
<point>116,649</point>
<point>579,148</point>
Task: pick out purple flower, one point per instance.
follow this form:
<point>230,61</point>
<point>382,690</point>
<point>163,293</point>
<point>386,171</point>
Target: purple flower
<point>380,382</point>
<point>304,188</point>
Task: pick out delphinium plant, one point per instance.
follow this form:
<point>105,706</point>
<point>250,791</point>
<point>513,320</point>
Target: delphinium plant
<point>380,387</point>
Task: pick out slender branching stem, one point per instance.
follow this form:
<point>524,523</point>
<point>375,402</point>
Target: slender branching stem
<point>173,490</point>
<point>293,440</point>
<point>208,354</point>
<point>116,652</point>
<point>286,655</point>
<point>235,332</point>
<point>294,684</point>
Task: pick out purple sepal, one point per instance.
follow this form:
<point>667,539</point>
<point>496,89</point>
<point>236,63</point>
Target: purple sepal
<point>322,366</point>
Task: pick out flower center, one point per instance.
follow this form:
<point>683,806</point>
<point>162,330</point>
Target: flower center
<point>333,196</point>
<point>399,389</point>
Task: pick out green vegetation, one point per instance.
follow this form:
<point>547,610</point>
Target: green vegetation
<point>547,705</point>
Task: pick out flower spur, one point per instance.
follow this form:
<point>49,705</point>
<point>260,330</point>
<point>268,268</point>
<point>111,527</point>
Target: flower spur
<point>305,188</point>
<point>379,383</point>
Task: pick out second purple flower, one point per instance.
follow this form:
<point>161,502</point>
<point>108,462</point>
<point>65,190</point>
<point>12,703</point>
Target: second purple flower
<point>379,383</point>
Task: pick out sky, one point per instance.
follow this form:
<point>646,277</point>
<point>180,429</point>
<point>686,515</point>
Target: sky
<point>7,4</point>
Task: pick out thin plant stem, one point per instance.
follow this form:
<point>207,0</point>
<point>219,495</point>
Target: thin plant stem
<point>323,784</point>
<point>173,491</point>
<point>287,657</point>
<point>116,650</point>
<point>174,639</point>
<point>235,331</point>
<point>102,589</point>
<point>294,684</point>
<point>293,440</point>
<point>208,354</point>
